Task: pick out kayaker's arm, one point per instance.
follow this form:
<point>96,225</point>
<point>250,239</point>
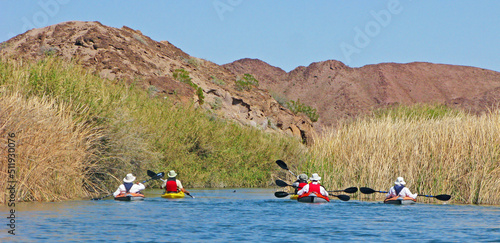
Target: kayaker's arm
<point>140,186</point>
<point>305,189</point>
<point>117,192</point>
<point>164,184</point>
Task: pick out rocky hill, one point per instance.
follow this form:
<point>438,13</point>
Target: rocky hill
<point>339,92</point>
<point>334,89</point>
<point>127,55</point>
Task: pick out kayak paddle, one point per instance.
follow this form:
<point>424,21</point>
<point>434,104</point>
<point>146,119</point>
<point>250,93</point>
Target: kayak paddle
<point>442,197</point>
<point>341,197</point>
<point>153,175</point>
<point>189,194</point>
<point>281,194</point>
<point>99,198</point>
<point>282,183</point>
<point>347,190</point>
<point>283,165</point>
<point>366,190</point>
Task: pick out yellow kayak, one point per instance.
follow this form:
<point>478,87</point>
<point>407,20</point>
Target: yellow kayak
<point>173,195</point>
<point>294,196</point>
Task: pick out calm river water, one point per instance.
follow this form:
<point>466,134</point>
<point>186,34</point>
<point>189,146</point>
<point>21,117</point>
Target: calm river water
<point>246,215</point>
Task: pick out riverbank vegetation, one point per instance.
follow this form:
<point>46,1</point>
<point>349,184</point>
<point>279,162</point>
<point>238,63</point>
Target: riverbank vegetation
<point>437,150</point>
<point>78,135</point>
<point>117,129</point>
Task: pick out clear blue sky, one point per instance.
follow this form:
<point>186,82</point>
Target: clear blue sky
<point>291,33</point>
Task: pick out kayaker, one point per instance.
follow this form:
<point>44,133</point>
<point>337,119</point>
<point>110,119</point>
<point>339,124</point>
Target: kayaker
<point>314,186</point>
<point>128,186</point>
<point>300,182</point>
<point>172,185</point>
<point>400,190</point>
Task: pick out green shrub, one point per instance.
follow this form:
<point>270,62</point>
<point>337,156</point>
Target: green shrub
<point>182,75</point>
<point>298,107</point>
<point>247,82</point>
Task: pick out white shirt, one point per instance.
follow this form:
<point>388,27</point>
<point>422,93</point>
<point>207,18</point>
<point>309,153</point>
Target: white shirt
<point>134,189</point>
<point>164,184</point>
<point>305,189</point>
<point>404,193</point>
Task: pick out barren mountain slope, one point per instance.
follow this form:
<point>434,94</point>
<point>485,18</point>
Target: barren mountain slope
<point>125,54</point>
<point>338,91</point>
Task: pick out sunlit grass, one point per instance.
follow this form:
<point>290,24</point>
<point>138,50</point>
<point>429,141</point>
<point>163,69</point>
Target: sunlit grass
<point>439,152</point>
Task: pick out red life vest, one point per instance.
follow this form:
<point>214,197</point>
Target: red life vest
<point>171,185</point>
<point>315,188</point>
<point>301,185</point>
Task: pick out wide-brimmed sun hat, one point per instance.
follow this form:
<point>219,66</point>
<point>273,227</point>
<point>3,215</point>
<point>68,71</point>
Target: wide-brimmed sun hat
<point>303,177</point>
<point>171,174</point>
<point>400,181</point>
<point>129,178</point>
<point>315,177</point>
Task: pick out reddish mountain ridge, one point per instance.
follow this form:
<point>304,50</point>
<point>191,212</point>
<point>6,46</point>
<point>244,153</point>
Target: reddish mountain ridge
<point>127,55</point>
<point>339,92</point>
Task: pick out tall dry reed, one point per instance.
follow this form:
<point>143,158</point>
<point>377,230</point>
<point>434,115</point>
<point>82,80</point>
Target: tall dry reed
<point>455,154</point>
<point>53,153</point>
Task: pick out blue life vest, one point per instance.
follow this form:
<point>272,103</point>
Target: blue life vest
<point>398,189</point>
<point>128,186</point>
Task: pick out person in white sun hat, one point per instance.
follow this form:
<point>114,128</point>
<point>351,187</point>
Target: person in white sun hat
<point>314,186</point>
<point>172,185</point>
<point>400,190</point>
<point>128,186</point>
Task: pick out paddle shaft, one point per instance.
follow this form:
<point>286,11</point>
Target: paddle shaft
<point>442,197</point>
<point>99,198</point>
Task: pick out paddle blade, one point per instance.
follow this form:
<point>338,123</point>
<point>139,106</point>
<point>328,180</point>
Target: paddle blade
<point>158,176</point>
<point>281,194</point>
<point>281,183</point>
<point>343,197</point>
<point>366,190</point>
<point>282,164</point>
<point>151,173</point>
<point>351,190</point>
<point>443,197</point>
